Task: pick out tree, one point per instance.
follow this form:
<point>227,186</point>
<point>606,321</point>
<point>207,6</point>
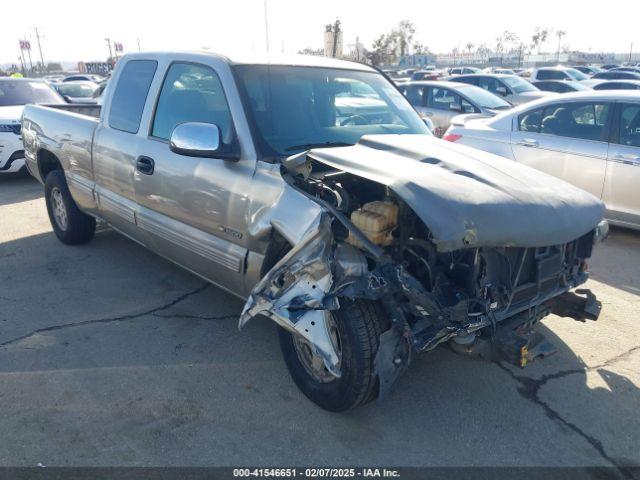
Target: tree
<point>539,38</point>
<point>469,46</point>
<point>387,47</point>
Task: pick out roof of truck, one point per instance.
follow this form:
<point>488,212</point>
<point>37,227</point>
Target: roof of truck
<point>262,59</point>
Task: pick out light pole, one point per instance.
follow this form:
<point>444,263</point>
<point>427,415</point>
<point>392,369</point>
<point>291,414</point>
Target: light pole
<point>266,25</point>
<point>560,34</point>
<point>108,40</point>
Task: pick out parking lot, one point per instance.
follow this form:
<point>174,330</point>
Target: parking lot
<point>110,355</point>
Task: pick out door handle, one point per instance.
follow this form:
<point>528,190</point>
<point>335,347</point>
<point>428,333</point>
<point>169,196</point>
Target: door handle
<point>145,165</point>
<point>528,142</point>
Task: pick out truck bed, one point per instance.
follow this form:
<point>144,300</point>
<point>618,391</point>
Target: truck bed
<point>61,131</point>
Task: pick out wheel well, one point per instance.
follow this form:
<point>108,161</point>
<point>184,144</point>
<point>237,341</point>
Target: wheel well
<point>47,163</point>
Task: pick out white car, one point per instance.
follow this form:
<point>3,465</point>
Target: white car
<point>14,94</point>
<point>512,88</point>
<point>590,139</point>
<point>558,73</point>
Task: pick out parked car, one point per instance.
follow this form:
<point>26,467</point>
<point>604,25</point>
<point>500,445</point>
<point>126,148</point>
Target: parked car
<point>84,77</point>
<point>53,78</point>
<point>588,70</point>
<point>557,73</point>
<point>609,66</point>
<point>426,75</point>
<point>77,91</point>
<point>463,70</point>
<point>512,88</point>
<point>616,75</point>
<point>618,85</point>
<point>504,71</point>
<point>441,101</point>
<point>365,242</point>
<point>560,86</point>
<point>14,94</point>
<point>627,69</point>
<point>590,139</point>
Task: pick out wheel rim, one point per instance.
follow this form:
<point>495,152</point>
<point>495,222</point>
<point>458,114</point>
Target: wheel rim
<point>312,362</point>
<point>59,209</point>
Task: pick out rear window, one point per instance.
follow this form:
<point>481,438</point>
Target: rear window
<point>23,92</point>
<point>131,94</point>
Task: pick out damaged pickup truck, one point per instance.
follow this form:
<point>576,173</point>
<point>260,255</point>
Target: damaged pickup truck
<point>311,188</point>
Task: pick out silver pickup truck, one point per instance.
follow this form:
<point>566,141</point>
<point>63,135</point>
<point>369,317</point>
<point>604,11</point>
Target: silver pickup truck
<point>312,189</point>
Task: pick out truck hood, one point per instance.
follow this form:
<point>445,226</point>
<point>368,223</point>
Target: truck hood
<point>13,114</point>
<point>469,198</point>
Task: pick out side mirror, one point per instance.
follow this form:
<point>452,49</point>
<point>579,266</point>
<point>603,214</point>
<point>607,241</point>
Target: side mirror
<point>501,91</point>
<point>429,123</point>
<point>67,98</point>
<point>456,107</point>
<point>196,139</point>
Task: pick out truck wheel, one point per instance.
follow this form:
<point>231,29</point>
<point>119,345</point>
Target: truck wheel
<point>70,225</point>
<point>355,330</point>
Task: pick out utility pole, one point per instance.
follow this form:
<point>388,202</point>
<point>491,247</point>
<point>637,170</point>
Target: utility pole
<point>40,49</point>
<point>108,40</point>
<point>266,25</point>
<point>630,52</point>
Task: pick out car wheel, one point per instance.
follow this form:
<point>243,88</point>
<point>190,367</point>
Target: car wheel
<point>70,225</point>
<point>355,331</point>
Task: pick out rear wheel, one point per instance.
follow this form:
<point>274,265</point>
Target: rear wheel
<point>355,331</point>
<point>70,225</point>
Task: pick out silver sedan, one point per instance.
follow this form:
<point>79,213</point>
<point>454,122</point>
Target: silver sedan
<point>441,101</point>
<point>590,139</point>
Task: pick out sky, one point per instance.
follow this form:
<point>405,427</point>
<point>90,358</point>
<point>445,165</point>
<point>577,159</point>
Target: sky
<point>76,30</point>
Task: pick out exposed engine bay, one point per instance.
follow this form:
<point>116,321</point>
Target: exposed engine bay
<point>368,243</point>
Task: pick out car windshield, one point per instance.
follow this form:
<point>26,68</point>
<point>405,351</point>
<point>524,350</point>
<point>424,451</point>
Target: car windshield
<point>22,92</point>
<point>576,74</point>
<point>483,98</point>
<point>77,90</point>
<point>297,108</point>
<point>518,85</point>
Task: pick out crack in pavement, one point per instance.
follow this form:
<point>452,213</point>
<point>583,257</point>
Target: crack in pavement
<point>198,317</point>
<point>529,389</point>
<point>119,318</point>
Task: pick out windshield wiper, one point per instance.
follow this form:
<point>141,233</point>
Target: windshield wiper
<point>307,146</point>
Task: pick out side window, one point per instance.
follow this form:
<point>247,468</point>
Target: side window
<point>488,83</point>
<point>530,121</point>
<point>443,99</point>
<point>582,120</point>
<point>630,125</point>
<point>191,93</point>
<point>414,95</point>
<point>469,80</point>
<point>131,94</point>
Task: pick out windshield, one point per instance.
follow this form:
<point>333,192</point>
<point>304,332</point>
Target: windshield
<point>518,85</point>
<point>483,98</point>
<point>78,90</point>
<point>297,108</point>
<point>22,92</point>
<point>576,74</point>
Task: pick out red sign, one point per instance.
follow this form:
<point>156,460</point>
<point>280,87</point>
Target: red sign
<point>117,46</point>
<point>25,45</point>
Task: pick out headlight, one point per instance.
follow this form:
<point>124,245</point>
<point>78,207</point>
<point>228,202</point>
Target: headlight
<point>10,128</point>
<point>601,232</point>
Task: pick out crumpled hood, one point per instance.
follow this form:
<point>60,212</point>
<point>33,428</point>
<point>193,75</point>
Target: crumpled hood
<point>470,198</point>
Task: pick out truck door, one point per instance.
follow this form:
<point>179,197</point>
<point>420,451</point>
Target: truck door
<point>194,209</point>
<point>620,192</point>
<point>116,143</point>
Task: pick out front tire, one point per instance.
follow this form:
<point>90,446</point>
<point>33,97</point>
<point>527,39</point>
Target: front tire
<point>359,325</point>
<point>70,225</point>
